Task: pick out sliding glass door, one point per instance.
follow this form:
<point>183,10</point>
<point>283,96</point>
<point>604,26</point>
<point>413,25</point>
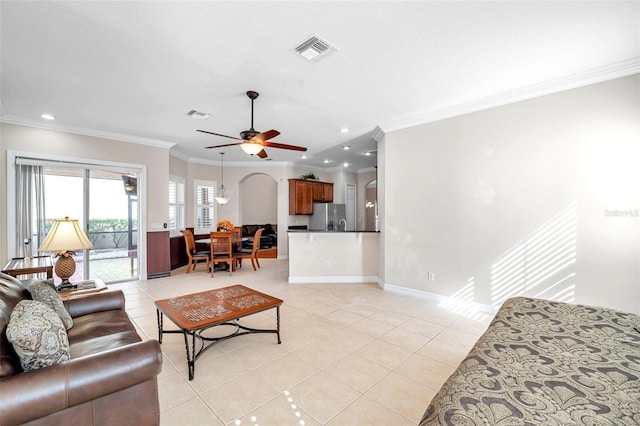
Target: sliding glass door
<point>105,203</point>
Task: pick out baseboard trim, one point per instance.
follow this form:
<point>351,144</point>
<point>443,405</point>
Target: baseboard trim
<point>332,280</point>
<point>438,299</point>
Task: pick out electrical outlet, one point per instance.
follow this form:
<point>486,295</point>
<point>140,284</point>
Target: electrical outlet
<point>432,276</point>
<point>326,264</point>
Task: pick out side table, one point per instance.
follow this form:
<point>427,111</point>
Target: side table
<point>84,287</point>
<point>30,265</point>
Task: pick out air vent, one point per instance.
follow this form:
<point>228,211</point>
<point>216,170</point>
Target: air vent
<point>199,115</point>
<point>314,48</point>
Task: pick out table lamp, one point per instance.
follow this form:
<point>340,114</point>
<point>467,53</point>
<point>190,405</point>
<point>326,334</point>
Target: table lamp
<point>65,237</point>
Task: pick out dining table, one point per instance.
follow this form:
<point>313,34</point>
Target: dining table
<point>236,241</point>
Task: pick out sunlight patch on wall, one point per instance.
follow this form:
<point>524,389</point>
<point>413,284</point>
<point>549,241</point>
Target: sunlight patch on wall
<point>462,302</point>
<point>542,265</point>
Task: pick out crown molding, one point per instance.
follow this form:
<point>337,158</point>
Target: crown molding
<point>377,134</point>
<point>197,160</point>
<point>179,155</point>
<point>585,78</point>
<point>22,121</point>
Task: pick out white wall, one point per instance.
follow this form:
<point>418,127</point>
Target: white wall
<point>518,199</point>
<point>259,199</point>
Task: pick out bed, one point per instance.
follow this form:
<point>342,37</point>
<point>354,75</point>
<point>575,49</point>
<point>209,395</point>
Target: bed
<point>546,363</point>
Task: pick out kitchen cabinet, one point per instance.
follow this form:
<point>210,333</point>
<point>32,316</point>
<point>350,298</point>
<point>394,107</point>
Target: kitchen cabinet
<point>300,197</point>
<point>322,192</point>
<point>303,193</point>
<point>158,254</point>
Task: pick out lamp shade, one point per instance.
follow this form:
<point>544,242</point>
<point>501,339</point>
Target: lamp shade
<point>251,148</point>
<point>65,234</point>
<point>222,200</point>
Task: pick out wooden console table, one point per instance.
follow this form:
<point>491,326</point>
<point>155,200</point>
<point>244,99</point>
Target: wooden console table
<point>30,265</point>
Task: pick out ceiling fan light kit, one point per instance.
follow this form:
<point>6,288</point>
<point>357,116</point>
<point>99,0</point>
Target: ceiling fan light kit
<point>253,142</point>
<point>251,148</point>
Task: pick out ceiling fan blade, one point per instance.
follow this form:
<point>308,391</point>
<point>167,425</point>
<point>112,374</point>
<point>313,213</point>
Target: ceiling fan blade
<point>284,146</point>
<point>218,134</point>
<point>265,136</point>
<point>262,154</point>
<point>222,146</point>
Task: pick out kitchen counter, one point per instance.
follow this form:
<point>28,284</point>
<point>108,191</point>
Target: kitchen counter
<point>333,256</point>
<point>332,232</point>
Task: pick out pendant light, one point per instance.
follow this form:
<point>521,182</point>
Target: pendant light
<point>222,199</point>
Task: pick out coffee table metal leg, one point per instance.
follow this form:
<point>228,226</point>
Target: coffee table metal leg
<point>278,323</point>
<point>159,316</point>
<point>191,359</point>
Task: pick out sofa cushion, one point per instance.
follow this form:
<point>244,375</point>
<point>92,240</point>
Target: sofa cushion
<point>11,292</point>
<point>37,335</point>
<point>101,331</point>
<point>46,293</point>
<point>268,229</point>
<point>249,230</point>
<point>10,278</point>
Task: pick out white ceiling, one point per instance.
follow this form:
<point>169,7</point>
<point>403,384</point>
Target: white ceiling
<point>132,70</point>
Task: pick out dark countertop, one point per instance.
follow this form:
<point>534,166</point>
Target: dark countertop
<point>296,231</point>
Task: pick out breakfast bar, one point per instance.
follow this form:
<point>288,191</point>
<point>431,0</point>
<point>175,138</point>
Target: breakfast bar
<point>333,257</point>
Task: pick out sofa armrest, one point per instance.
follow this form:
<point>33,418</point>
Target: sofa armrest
<point>95,302</point>
<point>38,393</point>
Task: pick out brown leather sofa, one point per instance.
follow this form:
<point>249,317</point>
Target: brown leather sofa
<point>110,378</point>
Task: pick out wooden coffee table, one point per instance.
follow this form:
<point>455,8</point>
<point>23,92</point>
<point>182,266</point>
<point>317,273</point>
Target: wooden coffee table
<point>195,313</point>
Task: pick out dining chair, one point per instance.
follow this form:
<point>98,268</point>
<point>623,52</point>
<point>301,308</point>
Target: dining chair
<point>222,250</point>
<point>237,236</point>
<point>193,255</point>
<point>253,253</point>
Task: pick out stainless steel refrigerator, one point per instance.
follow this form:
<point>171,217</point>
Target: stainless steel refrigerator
<point>328,217</point>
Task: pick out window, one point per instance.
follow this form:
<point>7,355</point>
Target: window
<point>176,203</point>
<point>205,220</point>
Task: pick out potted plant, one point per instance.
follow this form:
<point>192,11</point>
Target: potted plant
<point>309,176</point>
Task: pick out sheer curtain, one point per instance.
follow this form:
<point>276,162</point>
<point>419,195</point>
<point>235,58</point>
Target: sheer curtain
<point>30,218</point>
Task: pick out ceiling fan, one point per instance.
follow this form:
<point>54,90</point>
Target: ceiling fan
<point>252,141</point>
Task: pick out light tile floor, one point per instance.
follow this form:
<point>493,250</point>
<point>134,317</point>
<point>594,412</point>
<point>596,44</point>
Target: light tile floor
<point>351,354</point>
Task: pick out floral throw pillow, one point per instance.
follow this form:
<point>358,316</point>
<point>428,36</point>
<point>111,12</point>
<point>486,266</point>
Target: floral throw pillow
<point>37,335</point>
<point>47,294</point>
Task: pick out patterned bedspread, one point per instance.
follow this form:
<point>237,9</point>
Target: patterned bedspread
<point>546,363</point>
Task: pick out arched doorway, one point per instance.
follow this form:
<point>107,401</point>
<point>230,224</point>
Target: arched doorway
<point>259,205</point>
<point>371,206</point>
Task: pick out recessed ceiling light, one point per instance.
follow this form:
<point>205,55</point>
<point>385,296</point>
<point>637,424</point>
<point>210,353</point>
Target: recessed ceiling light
<point>304,157</point>
<point>327,161</point>
<point>344,130</point>
<point>346,164</point>
<point>367,153</point>
<point>48,117</point>
<point>346,147</point>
